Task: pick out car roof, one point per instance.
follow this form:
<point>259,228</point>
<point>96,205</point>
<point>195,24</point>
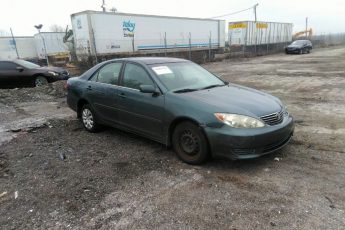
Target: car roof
<point>12,60</point>
<point>302,40</point>
<point>152,60</point>
<point>7,60</point>
<point>140,60</point>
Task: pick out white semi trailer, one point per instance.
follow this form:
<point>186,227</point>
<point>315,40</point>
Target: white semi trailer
<point>101,34</point>
<point>256,33</point>
<point>52,42</point>
<point>17,47</point>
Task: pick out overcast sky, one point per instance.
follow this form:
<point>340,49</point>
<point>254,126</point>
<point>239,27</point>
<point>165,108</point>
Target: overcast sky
<point>324,16</point>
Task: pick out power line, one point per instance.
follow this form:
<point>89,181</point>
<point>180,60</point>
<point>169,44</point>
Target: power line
<point>240,11</point>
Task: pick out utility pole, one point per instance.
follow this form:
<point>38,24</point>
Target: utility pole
<point>103,5</point>
<point>256,5</point>
<point>306,27</point>
<point>256,28</point>
<point>39,27</point>
<point>14,43</point>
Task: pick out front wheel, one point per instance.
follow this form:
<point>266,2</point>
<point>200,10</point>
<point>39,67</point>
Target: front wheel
<point>88,119</point>
<point>190,143</point>
<point>40,81</point>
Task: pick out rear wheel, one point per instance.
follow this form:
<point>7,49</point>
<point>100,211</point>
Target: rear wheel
<point>40,80</point>
<point>190,144</point>
<point>88,119</point>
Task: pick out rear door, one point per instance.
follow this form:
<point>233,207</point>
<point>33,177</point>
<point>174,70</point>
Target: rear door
<point>102,90</point>
<point>140,112</point>
<point>9,75</point>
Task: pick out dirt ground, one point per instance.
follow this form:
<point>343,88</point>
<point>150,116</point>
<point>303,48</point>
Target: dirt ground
<point>53,174</point>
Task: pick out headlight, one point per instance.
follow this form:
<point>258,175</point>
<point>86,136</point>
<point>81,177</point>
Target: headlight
<point>285,111</point>
<point>53,73</point>
<point>239,121</point>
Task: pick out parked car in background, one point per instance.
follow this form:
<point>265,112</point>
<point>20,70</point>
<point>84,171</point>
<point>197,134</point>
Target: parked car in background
<point>299,47</point>
<point>18,73</point>
<point>180,104</point>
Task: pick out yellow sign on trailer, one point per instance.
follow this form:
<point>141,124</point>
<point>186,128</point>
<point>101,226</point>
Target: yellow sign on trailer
<point>238,25</point>
<point>261,25</point>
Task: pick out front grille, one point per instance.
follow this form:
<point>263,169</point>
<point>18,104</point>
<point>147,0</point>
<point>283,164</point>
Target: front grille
<point>274,118</point>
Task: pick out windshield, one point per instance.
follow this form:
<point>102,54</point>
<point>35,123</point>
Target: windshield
<point>185,75</point>
<point>298,43</point>
<point>28,65</point>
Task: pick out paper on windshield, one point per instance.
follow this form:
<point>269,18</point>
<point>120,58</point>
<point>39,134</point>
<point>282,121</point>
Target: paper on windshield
<point>160,70</point>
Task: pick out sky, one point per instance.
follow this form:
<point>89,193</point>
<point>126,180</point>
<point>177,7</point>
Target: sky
<point>324,16</point>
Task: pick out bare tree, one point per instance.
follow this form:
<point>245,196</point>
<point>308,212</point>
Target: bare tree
<point>56,28</point>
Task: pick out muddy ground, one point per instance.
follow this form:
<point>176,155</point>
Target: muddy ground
<point>53,174</point>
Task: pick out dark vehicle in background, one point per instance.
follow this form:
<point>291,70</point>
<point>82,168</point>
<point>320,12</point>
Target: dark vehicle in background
<point>299,47</point>
<point>17,73</point>
<point>180,104</point>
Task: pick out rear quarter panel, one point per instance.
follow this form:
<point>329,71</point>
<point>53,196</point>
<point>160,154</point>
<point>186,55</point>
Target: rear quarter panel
<point>75,92</point>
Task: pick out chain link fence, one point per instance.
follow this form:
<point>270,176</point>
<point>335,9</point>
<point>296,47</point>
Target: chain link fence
<point>325,40</point>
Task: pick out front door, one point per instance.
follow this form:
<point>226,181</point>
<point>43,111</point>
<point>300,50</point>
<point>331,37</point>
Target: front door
<point>140,112</point>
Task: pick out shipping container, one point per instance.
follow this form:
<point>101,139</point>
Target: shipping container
<point>249,33</point>
<point>25,46</point>
<point>53,41</point>
<point>105,33</point>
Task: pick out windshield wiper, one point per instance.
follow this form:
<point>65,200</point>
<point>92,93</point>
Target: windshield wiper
<point>212,86</point>
<point>185,90</point>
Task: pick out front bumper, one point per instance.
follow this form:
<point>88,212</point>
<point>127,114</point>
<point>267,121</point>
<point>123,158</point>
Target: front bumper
<point>293,51</point>
<point>249,143</point>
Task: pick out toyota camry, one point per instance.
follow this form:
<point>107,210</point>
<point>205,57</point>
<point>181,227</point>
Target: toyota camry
<point>180,104</point>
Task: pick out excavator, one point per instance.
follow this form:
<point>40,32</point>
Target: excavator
<point>305,34</point>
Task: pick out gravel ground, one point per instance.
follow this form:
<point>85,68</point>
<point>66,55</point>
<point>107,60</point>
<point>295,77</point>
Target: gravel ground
<point>53,174</point>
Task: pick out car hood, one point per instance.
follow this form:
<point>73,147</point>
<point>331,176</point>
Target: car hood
<point>55,69</point>
<point>235,99</point>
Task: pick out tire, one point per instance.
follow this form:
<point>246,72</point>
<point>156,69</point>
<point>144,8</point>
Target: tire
<point>88,119</point>
<point>190,143</point>
<point>40,81</point>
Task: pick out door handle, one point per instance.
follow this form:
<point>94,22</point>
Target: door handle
<point>122,95</point>
<point>89,87</point>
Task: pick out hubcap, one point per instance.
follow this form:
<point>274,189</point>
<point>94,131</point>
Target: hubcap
<point>189,143</point>
<point>40,81</point>
<point>87,118</point>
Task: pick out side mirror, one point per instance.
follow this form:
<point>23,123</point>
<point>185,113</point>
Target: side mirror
<point>148,89</point>
<point>20,69</point>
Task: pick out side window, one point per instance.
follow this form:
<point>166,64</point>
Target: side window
<point>94,77</point>
<point>7,66</point>
<point>134,76</point>
<point>108,74</point>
